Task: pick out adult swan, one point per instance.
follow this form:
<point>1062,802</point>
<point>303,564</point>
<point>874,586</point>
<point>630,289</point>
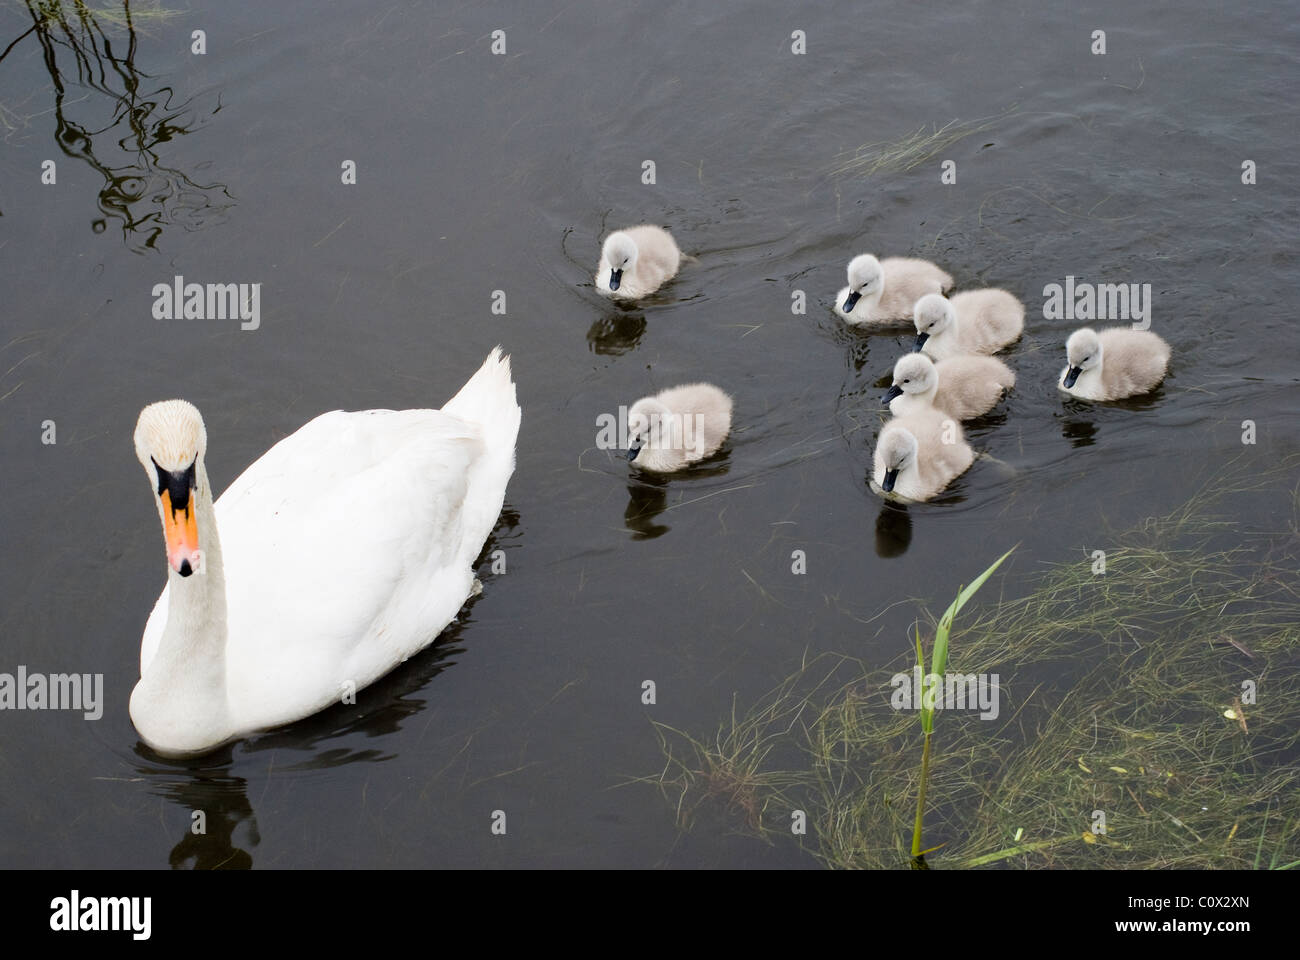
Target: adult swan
<point>343,550</point>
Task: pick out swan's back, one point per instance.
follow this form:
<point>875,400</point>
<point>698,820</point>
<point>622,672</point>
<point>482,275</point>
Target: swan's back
<point>987,321</point>
<point>1133,362</point>
<point>656,248</point>
<point>713,407</point>
<point>970,386</point>
<point>907,280</point>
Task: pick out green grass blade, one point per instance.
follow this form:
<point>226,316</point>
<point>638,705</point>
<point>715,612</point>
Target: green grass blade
<point>940,655</point>
<point>927,716</point>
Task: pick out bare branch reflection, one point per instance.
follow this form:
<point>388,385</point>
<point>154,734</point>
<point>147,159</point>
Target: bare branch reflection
<point>105,118</point>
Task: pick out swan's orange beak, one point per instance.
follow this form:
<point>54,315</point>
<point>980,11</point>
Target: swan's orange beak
<point>181,531</point>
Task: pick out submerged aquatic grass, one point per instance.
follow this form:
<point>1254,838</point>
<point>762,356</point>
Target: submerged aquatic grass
<point>115,14</point>
<point>911,150</point>
<point>1123,740</point>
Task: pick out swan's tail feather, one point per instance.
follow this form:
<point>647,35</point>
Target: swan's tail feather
<point>488,399</point>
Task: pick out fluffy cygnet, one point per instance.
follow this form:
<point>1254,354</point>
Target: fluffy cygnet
<point>976,321</point>
<point>883,292</point>
<point>965,387</point>
<point>637,261</point>
<point>677,427</point>
<point>1134,363</point>
<point>918,455</point>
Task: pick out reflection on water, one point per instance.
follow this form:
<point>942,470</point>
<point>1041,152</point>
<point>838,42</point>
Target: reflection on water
<point>856,343</point>
<point>1077,426</point>
<point>220,827</point>
<point>648,493</point>
<point>616,334</point>
<point>118,130</point>
<point>893,530</point>
<point>381,709</point>
<point>987,423</point>
<point>205,785</point>
<point>647,498</point>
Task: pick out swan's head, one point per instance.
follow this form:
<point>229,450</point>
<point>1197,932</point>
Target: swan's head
<point>913,374</point>
<point>652,437</point>
<point>1082,352</point>
<point>170,442</point>
<point>619,252</point>
<point>895,451</point>
<point>932,315</point>
<point>865,278</point>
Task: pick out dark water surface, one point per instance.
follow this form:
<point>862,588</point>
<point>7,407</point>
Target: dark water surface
<point>478,172</point>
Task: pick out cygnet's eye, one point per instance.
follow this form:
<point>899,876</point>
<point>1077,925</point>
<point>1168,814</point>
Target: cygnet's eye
<point>907,380</point>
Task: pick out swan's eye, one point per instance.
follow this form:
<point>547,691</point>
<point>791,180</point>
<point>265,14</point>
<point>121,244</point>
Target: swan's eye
<point>908,380</point>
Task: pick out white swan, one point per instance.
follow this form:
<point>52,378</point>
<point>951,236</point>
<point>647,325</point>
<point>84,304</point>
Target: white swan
<point>918,455</point>
<point>975,321</point>
<point>965,387</point>
<point>343,550</point>
<point>677,427</point>
<point>883,291</point>
<point>637,261</point>
<point>1135,363</point>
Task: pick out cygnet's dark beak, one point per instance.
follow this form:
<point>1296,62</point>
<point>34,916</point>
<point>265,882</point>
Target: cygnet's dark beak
<point>890,477</point>
<point>632,452</point>
<point>1072,375</point>
<point>851,301</point>
<point>890,394</point>
<point>615,278</point>
<point>920,342</point>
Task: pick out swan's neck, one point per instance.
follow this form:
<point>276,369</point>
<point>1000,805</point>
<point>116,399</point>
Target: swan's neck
<point>188,672</point>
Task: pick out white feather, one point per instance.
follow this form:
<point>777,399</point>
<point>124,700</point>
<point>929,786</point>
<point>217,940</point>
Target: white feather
<point>887,289</point>
<point>974,321</point>
<point>646,254</point>
<point>679,426</point>
<point>1115,363</point>
<point>927,449</point>
<point>346,548</point>
<point>966,386</point>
